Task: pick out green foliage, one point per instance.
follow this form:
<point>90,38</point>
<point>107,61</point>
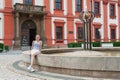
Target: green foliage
<point>6,48</point>
<point>96,44</point>
<point>72,45</point>
<point>1,47</point>
<point>116,44</point>
<point>106,42</point>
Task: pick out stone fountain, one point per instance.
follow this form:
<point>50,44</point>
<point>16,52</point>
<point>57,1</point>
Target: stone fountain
<point>76,62</point>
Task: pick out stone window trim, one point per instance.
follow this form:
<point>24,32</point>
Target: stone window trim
<point>112,16</point>
<point>61,8</point>
<point>33,2</point>
<point>78,5</point>
<point>78,24</point>
<point>112,26</point>
<point>99,14</point>
<point>96,25</point>
<point>61,24</point>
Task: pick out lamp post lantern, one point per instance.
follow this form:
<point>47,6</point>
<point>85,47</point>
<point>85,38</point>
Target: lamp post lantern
<point>87,18</point>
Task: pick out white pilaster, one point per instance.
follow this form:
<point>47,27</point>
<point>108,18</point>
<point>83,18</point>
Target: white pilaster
<point>85,5</point>
<point>108,21</point>
<point>2,4</point>
<point>1,26</point>
<point>53,31</point>
<point>117,22</point>
<point>65,7</point>
<point>102,18</point>
<point>52,6</point>
<point>73,7</point>
<point>16,1</point>
<point>39,2</point>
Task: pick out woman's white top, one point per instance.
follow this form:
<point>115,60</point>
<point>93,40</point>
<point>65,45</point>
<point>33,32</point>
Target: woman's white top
<point>36,45</point>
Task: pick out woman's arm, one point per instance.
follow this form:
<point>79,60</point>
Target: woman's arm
<point>40,45</point>
<point>32,45</point>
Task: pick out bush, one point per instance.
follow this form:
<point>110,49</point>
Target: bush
<point>72,45</point>
<point>6,48</point>
<point>96,44</point>
<point>1,47</point>
<point>106,42</point>
<point>116,44</point>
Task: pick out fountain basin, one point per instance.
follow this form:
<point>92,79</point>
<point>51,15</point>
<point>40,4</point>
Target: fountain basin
<point>78,63</point>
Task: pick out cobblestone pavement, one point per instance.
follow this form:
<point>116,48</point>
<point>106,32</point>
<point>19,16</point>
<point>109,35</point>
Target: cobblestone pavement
<point>6,73</point>
<point>9,70</point>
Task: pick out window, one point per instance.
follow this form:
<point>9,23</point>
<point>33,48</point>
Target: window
<point>29,2</point>
<point>58,4</point>
<point>59,33</point>
<point>80,33</point>
<point>97,33</point>
<point>112,10</point>
<point>112,33</point>
<point>96,8</point>
<point>79,5</point>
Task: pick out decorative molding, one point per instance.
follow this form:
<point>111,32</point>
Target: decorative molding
<point>105,2</point>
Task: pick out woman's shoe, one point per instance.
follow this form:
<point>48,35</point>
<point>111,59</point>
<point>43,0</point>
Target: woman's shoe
<point>32,70</point>
<point>29,67</point>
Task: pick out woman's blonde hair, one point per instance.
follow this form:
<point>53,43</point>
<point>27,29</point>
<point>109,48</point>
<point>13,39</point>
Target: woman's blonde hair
<point>37,35</point>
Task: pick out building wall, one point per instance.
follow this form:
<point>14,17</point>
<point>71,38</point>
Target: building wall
<point>69,13</point>
<point>8,23</point>
<point>68,17</point>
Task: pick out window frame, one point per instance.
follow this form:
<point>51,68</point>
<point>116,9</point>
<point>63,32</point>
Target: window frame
<point>80,39</point>
<point>112,34</point>
<point>96,34</point>
<point>98,15</point>
<point>61,34</point>
<point>96,25</point>
<point>112,16</point>
<point>58,3</point>
<point>29,2</point>
<point>79,5</point>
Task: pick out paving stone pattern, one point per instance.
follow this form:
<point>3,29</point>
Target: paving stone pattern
<point>9,72</point>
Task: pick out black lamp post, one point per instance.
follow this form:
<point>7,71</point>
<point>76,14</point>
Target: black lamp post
<point>87,18</point>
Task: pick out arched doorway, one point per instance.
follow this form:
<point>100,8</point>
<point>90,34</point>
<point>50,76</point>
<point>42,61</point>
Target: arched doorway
<point>28,32</point>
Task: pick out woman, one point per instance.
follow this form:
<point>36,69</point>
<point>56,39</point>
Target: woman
<point>36,49</point>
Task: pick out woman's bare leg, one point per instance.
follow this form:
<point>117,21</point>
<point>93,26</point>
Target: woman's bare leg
<point>32,62</point>
<point>32,59</point>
